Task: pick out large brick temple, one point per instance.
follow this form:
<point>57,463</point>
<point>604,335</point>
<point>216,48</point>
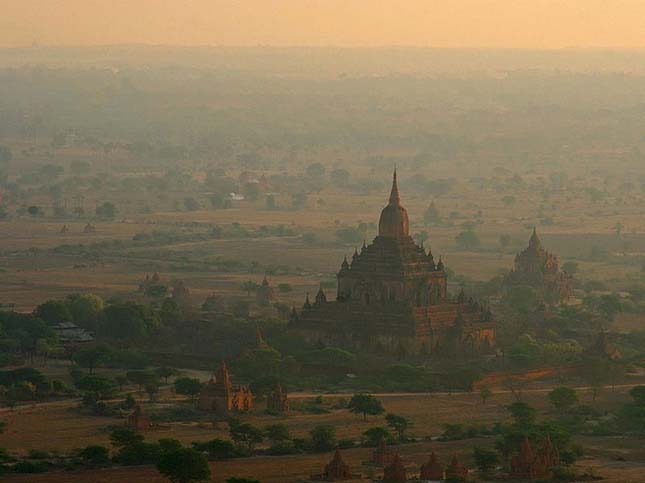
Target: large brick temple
<point>393,297</point>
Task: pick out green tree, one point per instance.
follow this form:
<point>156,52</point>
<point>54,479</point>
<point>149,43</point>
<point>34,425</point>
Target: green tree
<point>91,357</point>
<point>218,449</point>
<point>340,177</point>
<point>129,320</point>
<point>523,414</point>
<point>99,385</point>
<point>123,437</point>
<point>277,432</point>
<point>316,170</point>
<point>570,267</point>
<point>521,298</point>
<point>106,210</point>
<point>184,465</point>
<point>374,435</point>
<point>53,312</point>
<point>152,388</point>
<point>165,373</point>
<point>188,386</point>
<point>86,309</point>
<point>508,200</point>
<point>563,398</point>
<point>467,240</point>
<point>191,204</point>
<point>349,235</point>
<point>142,378</point>
<point>245,434</point>
<point>399,424</point>
<point>249,286</point>
<point>95,455</point>
<point>323,438</point>
<point>365,404</point>
<point>35,210</point>
<point>485,393</point>
<point>298,200</point>
<point>638,395</point>
<point>285,287</point>
<point>485,459</point>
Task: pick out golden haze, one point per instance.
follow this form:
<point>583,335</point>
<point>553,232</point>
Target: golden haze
<point>454,23</point>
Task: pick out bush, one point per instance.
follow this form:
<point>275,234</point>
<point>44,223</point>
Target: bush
<point>283,448</point>
<point>372,436</point>
<point>139,454</point>
<point>323,438</point>
<point>188,386</point>
<point>467,240</point>
<point>95,455</point>
<point>184,465</point>
<point>217,449</point>
<point>485,459</point>
<point>563,398</point>
<point>563,474</point>
<point>30,467</point>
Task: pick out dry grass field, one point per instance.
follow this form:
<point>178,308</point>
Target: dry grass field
<point>32,274</point>
<point>58,426</point>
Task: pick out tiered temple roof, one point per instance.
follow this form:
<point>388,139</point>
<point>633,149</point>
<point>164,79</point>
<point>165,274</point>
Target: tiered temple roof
<point>395,472</point>
<point>432,469</point>
<point>527,464</point>
<point>536,267</point>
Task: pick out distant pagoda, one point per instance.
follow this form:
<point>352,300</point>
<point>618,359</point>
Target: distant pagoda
<point>537,268</point>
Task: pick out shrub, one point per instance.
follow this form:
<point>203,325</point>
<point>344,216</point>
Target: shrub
<point>184,465</point>
<point>323,438</point>
<point>217,449</point>
<point>30,467</point>
<point>95,455</point>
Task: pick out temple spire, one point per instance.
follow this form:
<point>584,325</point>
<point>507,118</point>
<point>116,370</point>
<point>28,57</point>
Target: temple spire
<point>395,199</point>
<point>534,241</point>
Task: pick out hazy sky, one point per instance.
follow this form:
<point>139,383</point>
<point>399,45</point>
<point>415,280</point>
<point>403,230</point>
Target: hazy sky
<point>441,23</point>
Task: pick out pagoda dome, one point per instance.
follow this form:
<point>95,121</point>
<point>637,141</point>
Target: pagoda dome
<point>394,222</point>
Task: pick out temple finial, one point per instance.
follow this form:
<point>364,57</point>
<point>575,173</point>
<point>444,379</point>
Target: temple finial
<point>395,198</point>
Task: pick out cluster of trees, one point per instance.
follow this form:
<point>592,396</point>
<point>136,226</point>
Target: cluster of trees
<point>26,335</point>
<point>28,384</point>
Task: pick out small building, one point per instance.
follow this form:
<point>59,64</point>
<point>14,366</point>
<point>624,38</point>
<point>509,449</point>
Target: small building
<point>70,334</point>
<point>395,472</point>
<point>432,470</point>
<point>336,470</point>
<point>138,420</point>
<point>222,397</point>
<point>278,400</point>
<point>456,470</point>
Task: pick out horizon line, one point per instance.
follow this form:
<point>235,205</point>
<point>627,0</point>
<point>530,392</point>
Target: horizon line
<point>36,45</point>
